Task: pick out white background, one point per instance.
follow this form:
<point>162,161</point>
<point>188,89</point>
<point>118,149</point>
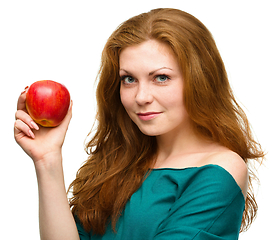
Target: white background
<point>63,40</point>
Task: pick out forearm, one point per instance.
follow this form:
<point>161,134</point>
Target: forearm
<point>55,218</point>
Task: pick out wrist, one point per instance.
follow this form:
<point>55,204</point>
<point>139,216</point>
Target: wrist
<point>50,163</point>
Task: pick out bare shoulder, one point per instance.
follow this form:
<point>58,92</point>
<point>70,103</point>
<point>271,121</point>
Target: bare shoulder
<point>234,164</point>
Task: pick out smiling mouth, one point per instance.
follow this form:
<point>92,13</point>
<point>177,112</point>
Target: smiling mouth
<point>148,115</point>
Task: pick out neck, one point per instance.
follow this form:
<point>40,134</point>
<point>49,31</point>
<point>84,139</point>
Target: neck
<point>179,142</point>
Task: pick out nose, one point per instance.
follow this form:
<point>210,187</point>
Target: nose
<point>144,94</point>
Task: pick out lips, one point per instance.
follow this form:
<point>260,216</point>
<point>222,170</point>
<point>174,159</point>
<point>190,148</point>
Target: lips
<point>148,115</point>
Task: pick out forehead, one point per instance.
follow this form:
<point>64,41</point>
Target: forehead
<point>150,53</point>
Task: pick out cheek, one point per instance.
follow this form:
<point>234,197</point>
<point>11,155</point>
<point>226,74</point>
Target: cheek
<point>173,99</point>
<point>126,99</point>
<point>174,103</point>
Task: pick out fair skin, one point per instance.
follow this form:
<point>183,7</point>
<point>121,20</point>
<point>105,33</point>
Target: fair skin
<point>154,102</point>
<point>152,94</point>
<point>44,146</point>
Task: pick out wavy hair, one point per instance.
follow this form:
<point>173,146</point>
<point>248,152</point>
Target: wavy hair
<point>119,154</point>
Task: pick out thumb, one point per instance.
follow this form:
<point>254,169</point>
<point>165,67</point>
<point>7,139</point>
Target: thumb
<point>65,123</point>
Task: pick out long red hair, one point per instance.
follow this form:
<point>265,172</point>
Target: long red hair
<point>119,154</point>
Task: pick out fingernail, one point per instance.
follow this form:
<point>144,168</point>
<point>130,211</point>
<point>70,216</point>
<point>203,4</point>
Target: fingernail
<point>31,134</point>
<point>23,92</point>
<point>70,105</point>
<point>26,87</point>
<point>34,125</point>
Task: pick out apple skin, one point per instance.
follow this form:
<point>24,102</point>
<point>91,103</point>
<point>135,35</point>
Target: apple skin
<point>47,102</point>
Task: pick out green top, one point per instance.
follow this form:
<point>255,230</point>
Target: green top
<point>201,203</point>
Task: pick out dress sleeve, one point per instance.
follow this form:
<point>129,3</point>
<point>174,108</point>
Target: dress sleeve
<point>81,231</point>
<point>209,208</point>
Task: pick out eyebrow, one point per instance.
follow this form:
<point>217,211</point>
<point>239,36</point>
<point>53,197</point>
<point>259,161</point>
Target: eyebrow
<point>151,73</point>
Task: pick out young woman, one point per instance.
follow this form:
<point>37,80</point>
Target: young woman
<point>171,155</point>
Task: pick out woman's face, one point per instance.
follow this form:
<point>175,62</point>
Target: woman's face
<point>152,88</point>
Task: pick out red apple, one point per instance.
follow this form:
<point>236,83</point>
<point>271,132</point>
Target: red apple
<point>47,102</point>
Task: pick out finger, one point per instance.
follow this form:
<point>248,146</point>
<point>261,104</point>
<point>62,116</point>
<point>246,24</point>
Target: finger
<point>21,129</point>
<point>24,117</point>
<point>21,103</point>
<point>64,124</point>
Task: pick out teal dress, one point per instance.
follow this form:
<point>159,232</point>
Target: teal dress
<point>197,203</point>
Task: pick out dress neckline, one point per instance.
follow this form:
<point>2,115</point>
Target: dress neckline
<point>184,168</point>
<point>197,168</point>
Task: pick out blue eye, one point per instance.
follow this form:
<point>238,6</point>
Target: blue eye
<point>161,78</point>
<point>127,79</point>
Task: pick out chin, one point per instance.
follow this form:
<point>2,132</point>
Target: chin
<point>150,132</point>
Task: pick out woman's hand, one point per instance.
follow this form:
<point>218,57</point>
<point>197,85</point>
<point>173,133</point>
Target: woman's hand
<point>37,141</point>
<point>44,145</point>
